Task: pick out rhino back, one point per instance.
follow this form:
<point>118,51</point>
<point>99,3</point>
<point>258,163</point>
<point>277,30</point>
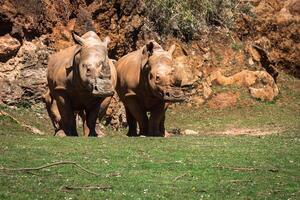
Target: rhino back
<point>113,72</point>
<point>128,70</point>
<point>57,67</point>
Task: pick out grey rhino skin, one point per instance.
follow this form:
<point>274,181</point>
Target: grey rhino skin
<point>81,80</point>
<point>147,83</point>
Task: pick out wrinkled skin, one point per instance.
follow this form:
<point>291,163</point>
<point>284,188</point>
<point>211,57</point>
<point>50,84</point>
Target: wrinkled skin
<point>145,84</point>
<point>81,80</point>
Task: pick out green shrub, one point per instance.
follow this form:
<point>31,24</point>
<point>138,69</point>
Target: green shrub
<point>185,18</point>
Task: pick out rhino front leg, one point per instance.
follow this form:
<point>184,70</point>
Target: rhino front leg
<point>162,123</point>
<point>131,121</point>
<point>138,114</point>
<point>84,125</point>
<point>67,123</point>
<point>162,129</point>
<point>91,118</point>
<point>156,122</point>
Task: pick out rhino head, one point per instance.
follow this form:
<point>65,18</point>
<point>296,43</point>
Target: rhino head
<point>160,72</point>
<point>93,64</point>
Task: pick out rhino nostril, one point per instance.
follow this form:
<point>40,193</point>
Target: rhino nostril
<point>88,72</point>
<point>167,94</point>
<point>96,88</point>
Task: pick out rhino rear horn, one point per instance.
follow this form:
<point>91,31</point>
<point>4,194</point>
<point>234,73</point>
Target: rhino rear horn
<point>77,39</point>
<point>172,49</point>
<point>106,40</point>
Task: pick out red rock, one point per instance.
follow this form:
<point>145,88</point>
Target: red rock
<point>9,46</point>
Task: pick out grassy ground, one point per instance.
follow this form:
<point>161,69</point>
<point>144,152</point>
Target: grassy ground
<point>206,166</point>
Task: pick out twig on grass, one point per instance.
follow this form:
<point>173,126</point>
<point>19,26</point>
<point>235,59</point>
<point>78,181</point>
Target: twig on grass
<point>179,177</point>
<point>238,181</point>
<point>98,187</point>
<point>236,168</point>
<point>51,165</point>
<point>32,129</point>
<point>245,169</point>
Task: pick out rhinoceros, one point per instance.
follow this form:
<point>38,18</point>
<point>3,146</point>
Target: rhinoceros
<point>81,80</point>
<point>146,83</point>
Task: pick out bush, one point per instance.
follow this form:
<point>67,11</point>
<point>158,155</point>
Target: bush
<point>185,18</point>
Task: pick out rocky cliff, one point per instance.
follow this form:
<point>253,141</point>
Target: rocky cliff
<point>30,30</point>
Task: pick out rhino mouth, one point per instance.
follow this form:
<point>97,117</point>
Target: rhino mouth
<point>102,88</point>
<point>173,95</point>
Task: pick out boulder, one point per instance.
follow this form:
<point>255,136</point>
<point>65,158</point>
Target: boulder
<point>261,84</point>
<point>23,77</point>
<point>9,46</point>
<point>223,100</point>
<point>184,71</point>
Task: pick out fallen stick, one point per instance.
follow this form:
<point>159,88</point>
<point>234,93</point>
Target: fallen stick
<point>236,168</point>
<point>98,187</point>
<point>51,165</point>
<point>238,181</point>
<point>28,127</point>
<point>244,168</point>
<point>179,177</point>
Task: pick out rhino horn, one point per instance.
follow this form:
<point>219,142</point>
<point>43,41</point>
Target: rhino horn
<point>172,49</point>
<point>106,40</point>
<point>106,71</point>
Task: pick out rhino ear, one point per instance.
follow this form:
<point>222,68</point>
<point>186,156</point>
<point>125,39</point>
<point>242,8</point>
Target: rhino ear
<point>172,49</point>
<point>71,58</point>
<point>149,48</point>
<point>106,40</point>
<point>147,51</point>
<point>77,39</point>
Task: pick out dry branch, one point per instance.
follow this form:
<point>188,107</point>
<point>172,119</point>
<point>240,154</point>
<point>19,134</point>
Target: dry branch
<point>238,181</point>
<point>244,169</point>
<point>28,127</point>
<point>98,187</point>
<point>51,165</point>
<point>236,168</point>
<point>179,177</point>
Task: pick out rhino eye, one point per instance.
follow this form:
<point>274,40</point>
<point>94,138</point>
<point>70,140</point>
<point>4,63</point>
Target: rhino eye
<point>151,76</point>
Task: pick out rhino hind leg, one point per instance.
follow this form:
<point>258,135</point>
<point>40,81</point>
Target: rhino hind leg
<point>138,114</point>
<point>52,110</point>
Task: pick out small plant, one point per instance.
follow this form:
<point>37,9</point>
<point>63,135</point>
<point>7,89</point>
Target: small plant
<point>185,18</point>
<point>219,57</point>
<point>236,46</point>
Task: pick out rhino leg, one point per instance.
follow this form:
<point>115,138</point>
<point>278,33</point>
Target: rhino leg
<point>131,121</point>
<point>91,118</point>
<point>84,125</point>
<point>138,114</point>
<point>52,110</point>
<point>162,129</point>
<point>68,117</point>
<point>156,122</point>
<point>103,108</point>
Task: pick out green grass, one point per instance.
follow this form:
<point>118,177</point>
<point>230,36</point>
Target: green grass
<point>151,168</point>
<point>206,166</point>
